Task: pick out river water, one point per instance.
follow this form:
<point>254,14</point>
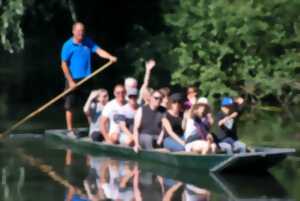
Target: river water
<point>33,168</point>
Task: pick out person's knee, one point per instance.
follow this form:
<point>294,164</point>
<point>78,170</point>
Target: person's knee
<point>128,141</point>
<point>226,147</point>
<point>114,137</point>
<point>213,148</point>
<point>240,146</point>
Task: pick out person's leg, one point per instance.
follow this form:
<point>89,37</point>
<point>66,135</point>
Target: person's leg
<point>96,136</point>
<point>172,145</point>
<point>146,141</point>
<point>69,104</point>
<point>239,147</point>
<point>125,139</point>
<point>193,138</point>
<point>114,137</point>
<point>69,119</point>
<point>225,147</point>
<point>198,146</point>
<point>213,148</point>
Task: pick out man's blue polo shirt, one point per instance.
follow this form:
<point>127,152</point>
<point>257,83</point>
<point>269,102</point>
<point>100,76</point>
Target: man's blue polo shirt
<point>78,56</point>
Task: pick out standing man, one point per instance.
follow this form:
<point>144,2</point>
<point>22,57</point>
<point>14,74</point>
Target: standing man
<point>76,65</point>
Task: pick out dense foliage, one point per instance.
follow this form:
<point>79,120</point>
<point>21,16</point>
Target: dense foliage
<point>233,47</point>
<point>224,46</point>
<point>238,46</point>
<point>11,13</point>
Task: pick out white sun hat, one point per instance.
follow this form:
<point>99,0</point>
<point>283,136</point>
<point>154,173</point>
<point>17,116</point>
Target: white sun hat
<point>203,100</point>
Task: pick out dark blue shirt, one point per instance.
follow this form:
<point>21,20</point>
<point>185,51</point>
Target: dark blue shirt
<point>78,56</point>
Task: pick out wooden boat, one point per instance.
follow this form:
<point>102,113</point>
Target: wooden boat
<point>259,160</point>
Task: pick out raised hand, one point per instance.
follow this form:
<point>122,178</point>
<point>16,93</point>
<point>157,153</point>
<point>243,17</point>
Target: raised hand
<point>150,64</point>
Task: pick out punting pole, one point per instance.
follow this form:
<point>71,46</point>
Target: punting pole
<point>53,100</point>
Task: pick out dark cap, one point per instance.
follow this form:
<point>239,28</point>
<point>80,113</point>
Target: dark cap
<point>176,97</point>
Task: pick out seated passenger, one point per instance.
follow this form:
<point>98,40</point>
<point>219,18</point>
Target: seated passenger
<point>148,123</point>
<point>197,134</point>
<point>93,109</point>
<point>125,118</point>
<point>108,126</point>
<point>172,124</point>
<point>227,124</point>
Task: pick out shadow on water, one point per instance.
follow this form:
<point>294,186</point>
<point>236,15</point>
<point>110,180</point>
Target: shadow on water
<point>101,177</point>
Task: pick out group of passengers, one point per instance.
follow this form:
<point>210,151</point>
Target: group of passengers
<point>148,118</point>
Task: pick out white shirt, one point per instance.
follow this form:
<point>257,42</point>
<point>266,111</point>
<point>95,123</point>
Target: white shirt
<point>95,112</point>
<point>128,111</point>
<point>109,110</point>
<point>191,128</point>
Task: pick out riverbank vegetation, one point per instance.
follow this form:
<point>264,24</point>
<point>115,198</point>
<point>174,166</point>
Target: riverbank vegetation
<point>226,47</point>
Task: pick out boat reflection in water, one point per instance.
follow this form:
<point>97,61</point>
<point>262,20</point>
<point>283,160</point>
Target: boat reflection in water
<point>111,179</point>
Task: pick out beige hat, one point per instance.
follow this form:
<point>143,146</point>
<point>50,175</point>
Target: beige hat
<point>203,100</point>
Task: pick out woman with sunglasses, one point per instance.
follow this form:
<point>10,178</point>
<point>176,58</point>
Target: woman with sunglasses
<point>148,123</point>
<point>172,124</point>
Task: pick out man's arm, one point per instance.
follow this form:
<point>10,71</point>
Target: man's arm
<point>67,74</point>
<point>136,126</point>
<point>124,128</point>
<point>104,122</point>
<point>104,54</point>
<point>87,104</point>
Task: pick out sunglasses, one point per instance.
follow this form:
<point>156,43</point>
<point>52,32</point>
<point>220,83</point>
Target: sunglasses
<point>120,92</point>
<point>133,96</point>
<point>157,97</point>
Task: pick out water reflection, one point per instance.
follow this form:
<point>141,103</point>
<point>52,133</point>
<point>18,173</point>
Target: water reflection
<point>75,177</point>
<point>114,179</point>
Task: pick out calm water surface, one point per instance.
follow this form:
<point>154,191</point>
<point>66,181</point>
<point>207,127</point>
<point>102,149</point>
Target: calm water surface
<point>35,169</point>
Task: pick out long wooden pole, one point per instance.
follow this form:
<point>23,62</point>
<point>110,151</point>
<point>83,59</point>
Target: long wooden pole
<point>55,99</point>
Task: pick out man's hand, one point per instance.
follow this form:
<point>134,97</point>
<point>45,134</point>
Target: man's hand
<point>113,59</point>
<point>94,94</point>
<point>71,83</point>
<point>136,148</point>
<point>150,64</point>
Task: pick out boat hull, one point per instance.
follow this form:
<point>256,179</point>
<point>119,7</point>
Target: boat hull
<point>259,161</point>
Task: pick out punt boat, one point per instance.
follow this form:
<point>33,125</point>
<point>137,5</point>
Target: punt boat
<point>259,160</point>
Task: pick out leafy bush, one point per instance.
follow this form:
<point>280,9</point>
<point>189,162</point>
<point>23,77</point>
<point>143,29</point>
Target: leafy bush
<point>237,46</point>
<point>11,13</point>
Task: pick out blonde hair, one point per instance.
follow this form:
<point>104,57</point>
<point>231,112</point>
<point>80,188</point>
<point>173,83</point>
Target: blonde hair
<point>195,107</point>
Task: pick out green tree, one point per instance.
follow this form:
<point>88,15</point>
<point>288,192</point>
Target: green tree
<point>11,13</point>
<point>237,46</point>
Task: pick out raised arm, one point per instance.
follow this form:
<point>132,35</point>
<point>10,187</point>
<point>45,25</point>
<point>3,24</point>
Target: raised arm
<point>136,126</point>
<point>149,66</point>
<point>88,102</point>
